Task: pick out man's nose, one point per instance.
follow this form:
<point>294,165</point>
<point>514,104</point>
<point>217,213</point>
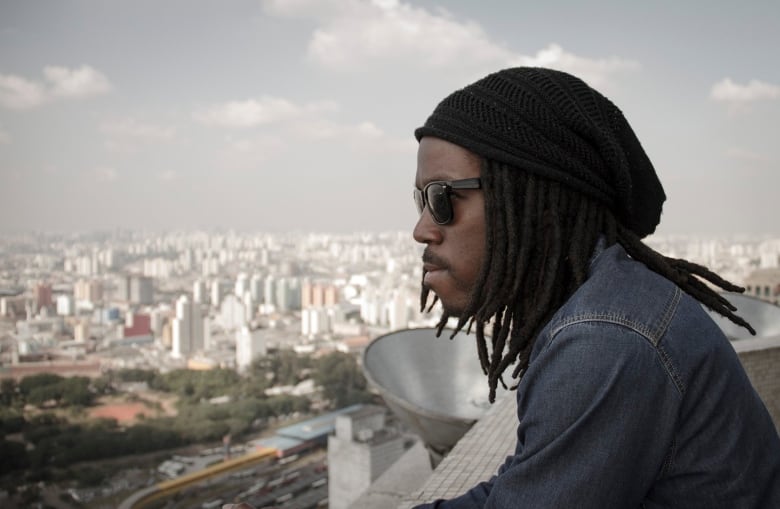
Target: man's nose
<point>426,231</point>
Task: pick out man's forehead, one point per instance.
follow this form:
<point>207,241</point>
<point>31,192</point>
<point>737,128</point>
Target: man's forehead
<point>438,159</point>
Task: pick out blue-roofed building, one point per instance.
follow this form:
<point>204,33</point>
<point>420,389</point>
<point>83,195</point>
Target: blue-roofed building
<point>317,428</point>
<point>285,446</point>
<point>304,435</point>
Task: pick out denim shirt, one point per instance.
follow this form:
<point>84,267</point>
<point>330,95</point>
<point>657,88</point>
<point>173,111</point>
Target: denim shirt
<point>634,398</point>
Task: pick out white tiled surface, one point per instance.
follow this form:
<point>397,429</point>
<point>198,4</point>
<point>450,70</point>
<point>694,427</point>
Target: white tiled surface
<point>476,456</point>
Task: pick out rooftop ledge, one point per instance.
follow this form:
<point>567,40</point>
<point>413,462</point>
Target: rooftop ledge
<point>756,344</point>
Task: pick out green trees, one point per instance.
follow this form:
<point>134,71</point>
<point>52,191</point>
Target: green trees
<point>197,385</point>
<point>65,444</point>
<point>341,379</point>
<point>46,388</point>
<point>14,456</point>
<point>7,392</point>
<point>51,442</point>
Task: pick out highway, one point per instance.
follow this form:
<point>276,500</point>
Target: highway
<point>144,498</point>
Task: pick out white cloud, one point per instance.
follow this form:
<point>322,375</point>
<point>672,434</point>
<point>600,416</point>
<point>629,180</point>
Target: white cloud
<point>354,35</point>
<point>594,71</point>
<point>291,120</point>
<point>256,112</point>
<point>60,82</point>
<point>281,126</point>
<point>5,138</point>
<point>728,91</point>
<point>19,93</point>
<point>282,129</point>
<point>82,82</point>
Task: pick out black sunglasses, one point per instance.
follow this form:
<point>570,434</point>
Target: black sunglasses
<point>436,196</point>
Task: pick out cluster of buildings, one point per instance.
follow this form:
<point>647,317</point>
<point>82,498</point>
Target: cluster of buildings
<point>750,261</point>
<point>198,300</point>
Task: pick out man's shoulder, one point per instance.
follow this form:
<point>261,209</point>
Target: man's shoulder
<point>621,290</point>
<point>624,296</point>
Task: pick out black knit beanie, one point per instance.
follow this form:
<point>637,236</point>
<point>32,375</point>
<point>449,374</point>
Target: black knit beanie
<point>554,125</point>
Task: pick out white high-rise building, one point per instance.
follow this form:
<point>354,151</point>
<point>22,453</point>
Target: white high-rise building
<point>65,305</point>
<point>370,304</point>
<point>216,292</point>
<point>84,266</point>
<point>136,289</point>
<point>250,344</point>
<point>398,310</point>
<point>207,339</point>
<point>88,292</point>
<point>158,267</point>
<point>288,294</point>
<point>242,285</point>
<point>209,266</point>
<point>188,328</point>
<point>256,288</point>
<point>199,294</point>
<point>81,330</point>
<point>186,260</point>
<point>269,290</point>
<point>315,321</point>
<point>249,306</point>
<point>107,258</point>
<point>232,313</point>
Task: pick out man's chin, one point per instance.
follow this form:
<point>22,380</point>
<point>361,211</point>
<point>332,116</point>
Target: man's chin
<point>452,309</point>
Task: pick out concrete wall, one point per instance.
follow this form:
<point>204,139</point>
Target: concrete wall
<point>761,359</point>
<point>349,466</point>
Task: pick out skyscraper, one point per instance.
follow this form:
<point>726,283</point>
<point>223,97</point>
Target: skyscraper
<point>141,290</point>
<point>188,328</point>
<point>199,294</point>
<point>242,285</point>
<point>136,289</point>
<point>88,291</point>
<point>42,295</point>
<point>250,344</point>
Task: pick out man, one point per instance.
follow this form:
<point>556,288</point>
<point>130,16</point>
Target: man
<point>534,193</point>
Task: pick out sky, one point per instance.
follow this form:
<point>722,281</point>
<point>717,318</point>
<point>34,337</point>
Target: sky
<point>297,115</point>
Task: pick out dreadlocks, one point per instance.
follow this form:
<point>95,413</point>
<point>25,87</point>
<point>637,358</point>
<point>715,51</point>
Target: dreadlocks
<point>540,236</point>
<point>561,168</point>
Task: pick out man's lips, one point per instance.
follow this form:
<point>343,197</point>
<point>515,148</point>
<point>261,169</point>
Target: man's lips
<point>433,267</point>
<point>430,267</point>
<point>432,262</point>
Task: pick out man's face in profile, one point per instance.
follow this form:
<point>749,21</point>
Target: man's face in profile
<point>454,251</point>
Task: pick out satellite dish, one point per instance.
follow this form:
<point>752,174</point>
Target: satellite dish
<point>434,385</point>
<point>763,316</point>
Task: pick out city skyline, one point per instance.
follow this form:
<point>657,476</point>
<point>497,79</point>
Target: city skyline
<point>298,115</point>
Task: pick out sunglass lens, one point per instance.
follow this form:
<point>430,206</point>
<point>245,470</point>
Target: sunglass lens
<point>439,203</point>
<point>418,201</point>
